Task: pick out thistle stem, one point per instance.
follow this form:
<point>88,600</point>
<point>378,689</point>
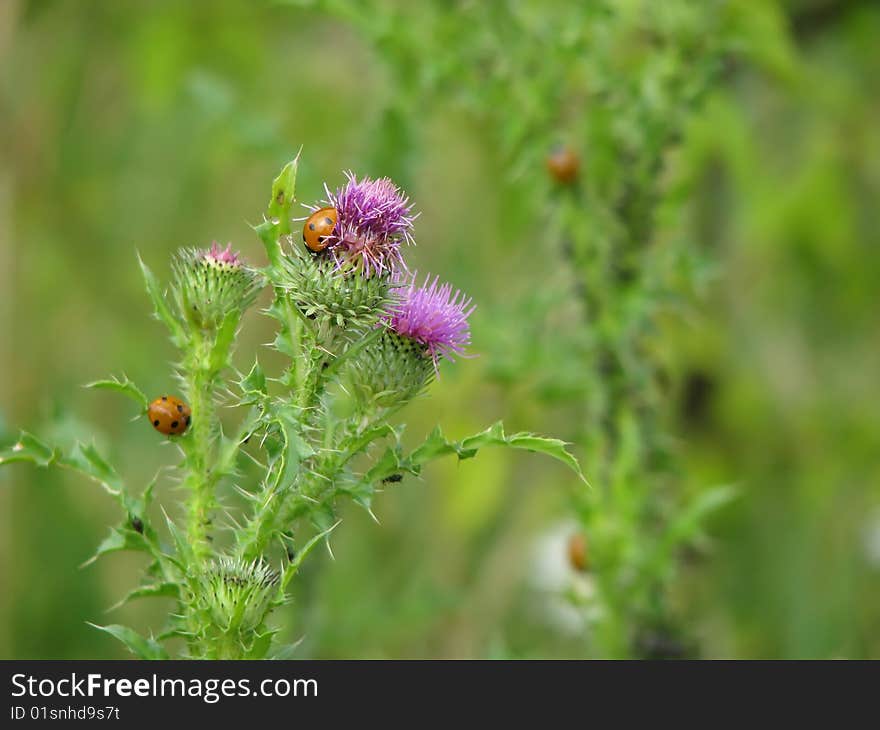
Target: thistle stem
<point>200,479</point>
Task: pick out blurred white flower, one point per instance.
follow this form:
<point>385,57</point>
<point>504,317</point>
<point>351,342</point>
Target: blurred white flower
<point>564,593</point>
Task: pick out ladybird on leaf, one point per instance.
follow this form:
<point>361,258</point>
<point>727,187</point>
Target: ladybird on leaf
<point>169,415</point>
<point>318,229</point>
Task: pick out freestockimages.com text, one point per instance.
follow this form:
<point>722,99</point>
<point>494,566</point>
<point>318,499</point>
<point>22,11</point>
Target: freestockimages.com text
<point>209,690</point>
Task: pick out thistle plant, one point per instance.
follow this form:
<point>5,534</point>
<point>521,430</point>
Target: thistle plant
<point>361,337</point>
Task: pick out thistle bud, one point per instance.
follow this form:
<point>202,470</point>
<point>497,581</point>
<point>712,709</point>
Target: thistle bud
<point>213,282</point>
<point>391,371</point>
<point>236,596</point>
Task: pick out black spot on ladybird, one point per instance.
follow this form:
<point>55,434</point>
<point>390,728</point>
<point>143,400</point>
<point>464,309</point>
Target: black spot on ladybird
<point>311,226</point>
<point>164,397</point>
<point>328,221</point>
<point>156,423</point>
<point>175,424</point>
<point>179,408</point>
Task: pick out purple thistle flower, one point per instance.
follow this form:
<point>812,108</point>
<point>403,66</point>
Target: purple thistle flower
<point>433,316</point>
<point>221,256</point>
<point>374,219</point>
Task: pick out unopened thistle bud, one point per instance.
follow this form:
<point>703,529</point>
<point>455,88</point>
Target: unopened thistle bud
<point>238,595</point>
<point>427,323</point>
<point>213,282</point>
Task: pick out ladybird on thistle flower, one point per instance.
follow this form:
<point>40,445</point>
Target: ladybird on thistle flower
<point>374,219</point>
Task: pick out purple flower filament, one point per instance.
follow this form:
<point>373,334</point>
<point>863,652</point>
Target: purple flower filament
<point>374,219</point>
<point>222,256</point>
<point>433,316</point>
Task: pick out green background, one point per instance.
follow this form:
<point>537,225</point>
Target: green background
<point>145,126</point>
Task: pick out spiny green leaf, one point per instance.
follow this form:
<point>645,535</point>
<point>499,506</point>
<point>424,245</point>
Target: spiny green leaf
<point>138,645</point>
<point>156,590</point>
<point>219,357</point>
<point>391,462</point>
<point>284,195</point>
<point>137,507</point>
<point>120,538</point>
<point>87,460</point>
<point>84,459</point>
<point>184,549</point>
<point>296,448</point>
<point>436,445</point>
<point>162,311</point>
<point>277,221</point>
<point>351,351</point>
<point>254,381</point>
<point>293,566</point>
<point>126,387</point>
<point>358,443</point>
<point>322,516</point>
<point>261,644</point>
<point>29,448</point>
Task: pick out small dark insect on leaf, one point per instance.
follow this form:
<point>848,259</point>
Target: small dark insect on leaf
<point>393,478</point>
<point>137,525</point>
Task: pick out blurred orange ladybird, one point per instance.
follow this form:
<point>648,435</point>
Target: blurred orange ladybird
<point>563,164</point>
<point>578,555</point>
<point>169,415</point>
<point>318,229</point>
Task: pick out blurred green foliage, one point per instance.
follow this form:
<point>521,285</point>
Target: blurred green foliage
<point>154,125</point>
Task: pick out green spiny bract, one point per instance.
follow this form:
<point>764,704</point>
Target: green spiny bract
<point>341,297</point>
<point>390,371</point>
<point>211,284</point>
<point>230,601</point>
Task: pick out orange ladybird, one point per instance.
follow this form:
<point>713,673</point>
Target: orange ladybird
<point>563,165</point>
<point>169,415</point>
<point>318,229</point>
<point>578,555</point>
